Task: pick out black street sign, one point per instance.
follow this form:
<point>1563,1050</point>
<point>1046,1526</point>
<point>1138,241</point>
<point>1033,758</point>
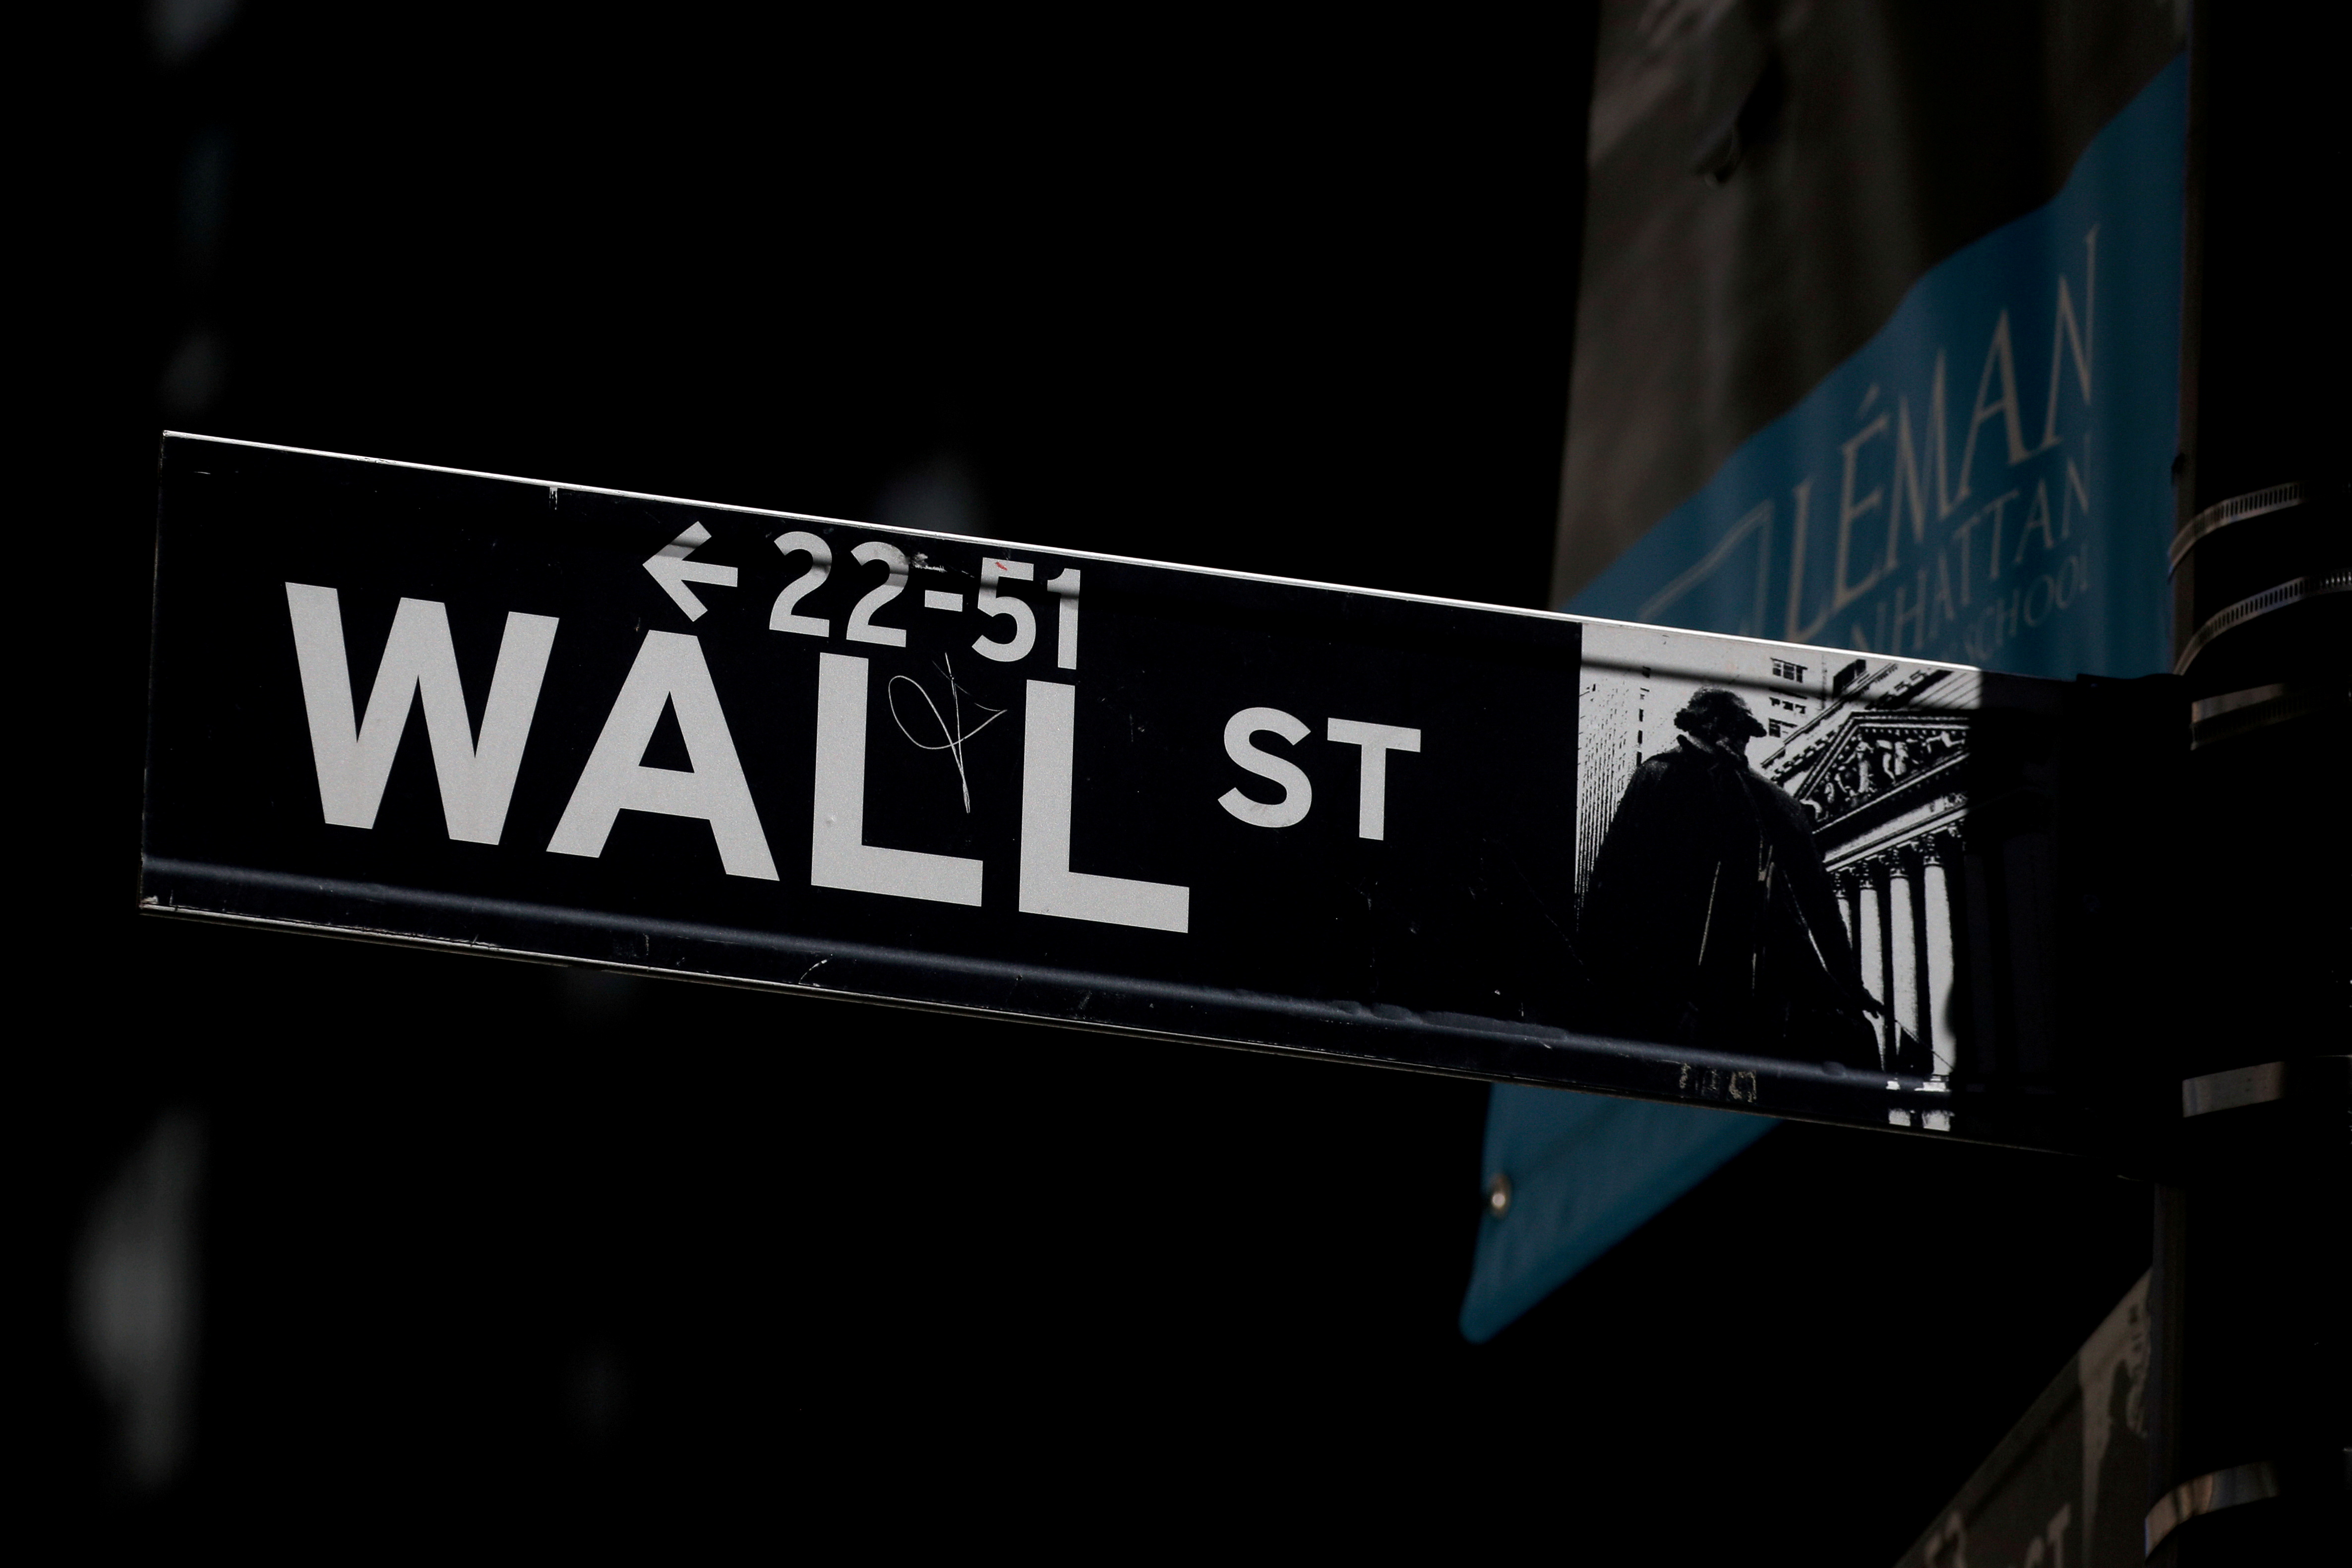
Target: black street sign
<point>514,717</point>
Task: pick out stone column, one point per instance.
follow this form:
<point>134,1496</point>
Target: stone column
<point>1844,885</point>
<point>1874,952</point>
<point>1936,897</point>
<point>1902,947</point>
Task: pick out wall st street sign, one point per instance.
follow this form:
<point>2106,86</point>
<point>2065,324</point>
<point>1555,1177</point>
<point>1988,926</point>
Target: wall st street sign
<point>515,717</point>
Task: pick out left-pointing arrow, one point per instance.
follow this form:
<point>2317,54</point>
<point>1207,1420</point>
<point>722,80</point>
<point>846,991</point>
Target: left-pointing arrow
<point>669,567</point>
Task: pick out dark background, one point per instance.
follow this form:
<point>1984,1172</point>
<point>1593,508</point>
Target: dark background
<point>480,1237</point>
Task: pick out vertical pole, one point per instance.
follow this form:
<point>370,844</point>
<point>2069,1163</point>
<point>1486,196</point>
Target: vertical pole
<point>2251,1407</point>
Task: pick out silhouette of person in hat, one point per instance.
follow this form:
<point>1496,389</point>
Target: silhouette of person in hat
<point>1709,919</point>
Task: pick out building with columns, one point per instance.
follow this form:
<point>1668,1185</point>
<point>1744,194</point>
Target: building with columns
<point>1881,769</point>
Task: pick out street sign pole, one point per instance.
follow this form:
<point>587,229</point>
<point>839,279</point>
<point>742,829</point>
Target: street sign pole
<point>2251,1409</point>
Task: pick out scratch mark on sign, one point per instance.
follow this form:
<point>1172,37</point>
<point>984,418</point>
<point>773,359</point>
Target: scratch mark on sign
<point>954,734</point>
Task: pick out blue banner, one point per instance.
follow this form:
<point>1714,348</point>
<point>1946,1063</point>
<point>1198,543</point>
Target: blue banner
<point>1988,480</point>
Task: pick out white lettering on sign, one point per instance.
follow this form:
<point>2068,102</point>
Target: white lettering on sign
<point>988,601</point>
<point>1373,788</point>
<point>861,626</point>
<point>1064,585</point>
<point>354,757</point>
<point>669,672</point>
<point>784,617</point>
<point>1048,886</point>
<point>1298,793</point>
<point>669,567</point>
<point>839,856</point>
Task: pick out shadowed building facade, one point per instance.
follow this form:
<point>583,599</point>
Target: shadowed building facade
<point>1882,773</point>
